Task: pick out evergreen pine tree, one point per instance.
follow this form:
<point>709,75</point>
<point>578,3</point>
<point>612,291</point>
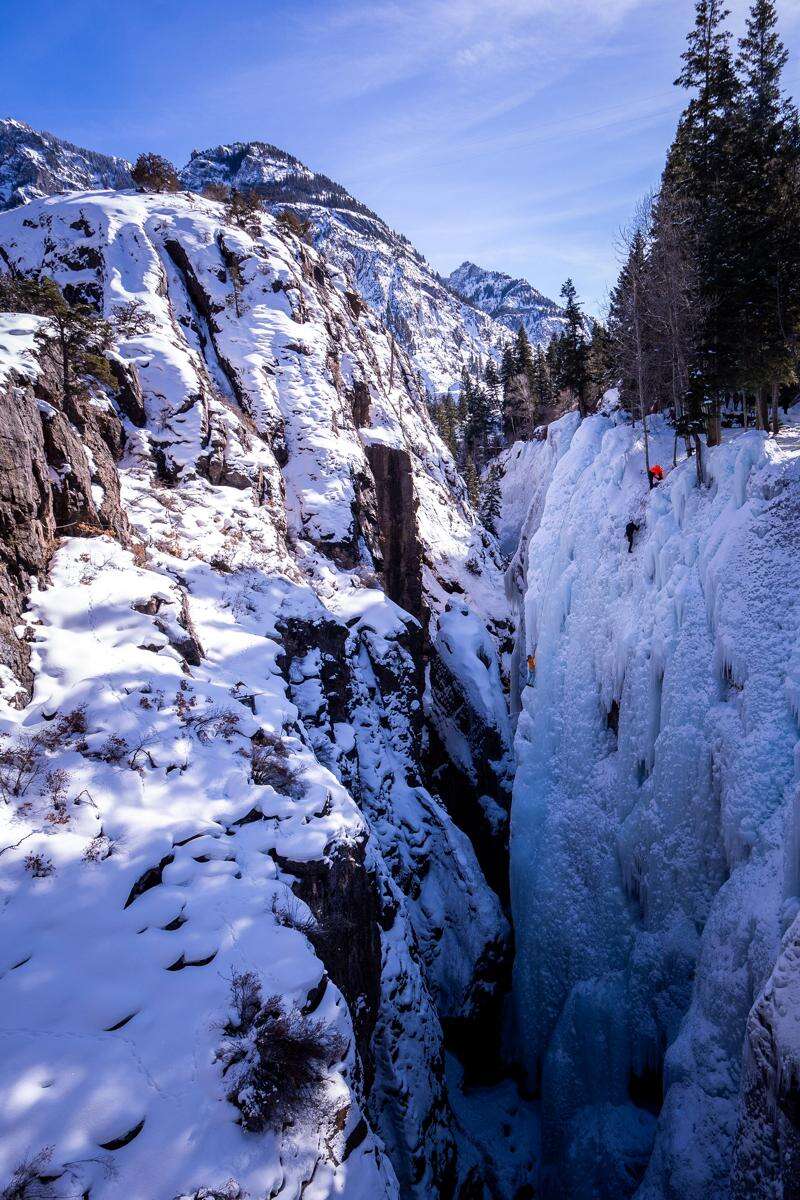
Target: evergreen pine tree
<point>573,350</point>
<point>703,166</point>
<point>507,365</point>
<point>491,499</point>
<point>471,480</point>
<point>768,259</point>
<point>523,355</point>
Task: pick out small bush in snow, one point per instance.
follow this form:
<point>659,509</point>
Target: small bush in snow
<point>152,173</point>
<point>57,782</point>
<point>29,1180</point>
<point>131,319</point>
<point>66,727</point>
<point>292,914</point>
<point>20,765</point>
<point>114,749</point>
<point>269,764</point>
<point>98,850</point>
<point>275,1060</point>
<point>39,865</point>
<point>213,722</point>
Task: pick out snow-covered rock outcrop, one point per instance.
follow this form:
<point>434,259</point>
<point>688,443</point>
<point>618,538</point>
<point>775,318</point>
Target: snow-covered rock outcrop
<point>442,324</point>
<point>654,821</point>
<point>441,331</point>
<point>216,675</point>
<point>510,302</point>
<point>35,164</point>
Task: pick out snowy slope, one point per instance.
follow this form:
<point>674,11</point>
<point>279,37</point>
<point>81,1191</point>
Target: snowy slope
<point>34,164</point>
<point>511,302</point>
<point>242,596</point>
<point>440,331</point>
<point>654,811</point>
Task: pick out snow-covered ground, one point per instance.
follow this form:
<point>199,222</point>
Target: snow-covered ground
<point>653,850</point>
<point>144,862</point>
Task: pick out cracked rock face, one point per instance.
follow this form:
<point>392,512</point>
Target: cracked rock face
<point>227,576</point>
<point>57,477</point>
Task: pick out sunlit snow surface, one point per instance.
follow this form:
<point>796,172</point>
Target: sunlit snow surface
<point>654,869</point>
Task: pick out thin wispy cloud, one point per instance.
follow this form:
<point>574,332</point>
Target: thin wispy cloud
<point>518,133</point>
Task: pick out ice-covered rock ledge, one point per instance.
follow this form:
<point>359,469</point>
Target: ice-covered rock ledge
<point>654,843</point>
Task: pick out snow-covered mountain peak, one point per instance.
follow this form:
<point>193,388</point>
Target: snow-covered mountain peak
<point>35,164</point>
<point>441,332</point>
<point>511,302</point>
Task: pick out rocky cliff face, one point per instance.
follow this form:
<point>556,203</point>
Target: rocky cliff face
<point>34,164</point>
<point>510,302</point>
<point>215,666</point>
<point>442,332</point>
<point>442,324</point>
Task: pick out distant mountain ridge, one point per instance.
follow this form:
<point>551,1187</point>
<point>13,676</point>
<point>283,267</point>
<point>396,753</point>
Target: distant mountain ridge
<point>511,302</point>
<point>35,164</point>
<point>444,324</point>
<point>442,332</point>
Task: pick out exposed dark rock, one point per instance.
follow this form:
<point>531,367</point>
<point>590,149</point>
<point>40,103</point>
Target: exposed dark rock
<point>461,794</point>
<point>176,625</point>
<point>397,504</point>
<point>361,404</point>
<point>46,491</point>
<point>335,888</point>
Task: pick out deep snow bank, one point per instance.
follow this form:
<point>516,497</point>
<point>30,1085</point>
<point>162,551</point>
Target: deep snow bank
<point>654,844</point>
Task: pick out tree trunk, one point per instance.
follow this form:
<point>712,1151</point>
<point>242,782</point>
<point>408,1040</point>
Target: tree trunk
<point>698,457</point>
<point>762,418</point>
<point>776,392</point>
<point>714,428</point>
<point>745,407</point>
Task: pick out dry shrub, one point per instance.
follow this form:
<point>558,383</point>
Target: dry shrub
<point>99,849</point>
<point>270,764</point>
<point>57,782</point>
<point>66,727</point>
<point>20,765</point>
<point>213,722</point>
<point>39,865</point>
<point>30,1179</point>
<point>114,749</point>
<point>292,914</point>
<point>22,760</point>
<point>275,1059</point>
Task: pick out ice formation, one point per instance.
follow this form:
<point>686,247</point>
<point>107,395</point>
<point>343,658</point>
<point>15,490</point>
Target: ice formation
<point>653,847</point>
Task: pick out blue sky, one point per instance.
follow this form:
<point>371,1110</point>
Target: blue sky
<point>516,133</point>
